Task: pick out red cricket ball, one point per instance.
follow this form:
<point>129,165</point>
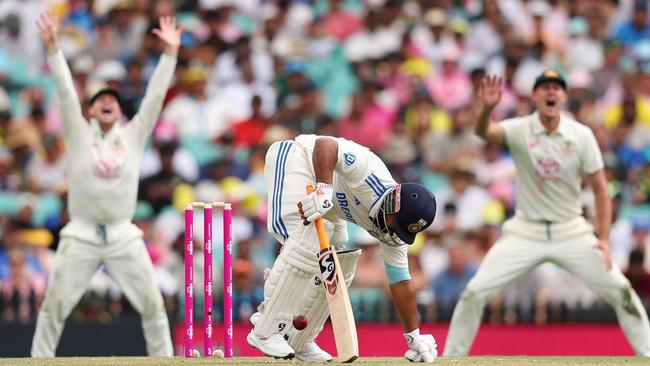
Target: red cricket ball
<point>299,322</point>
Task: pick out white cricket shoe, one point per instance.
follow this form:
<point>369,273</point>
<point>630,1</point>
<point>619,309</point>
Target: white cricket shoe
<point>312,353</point>
<point>273,346</point>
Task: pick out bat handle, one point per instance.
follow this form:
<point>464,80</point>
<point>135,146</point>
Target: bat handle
<point>323,241</point>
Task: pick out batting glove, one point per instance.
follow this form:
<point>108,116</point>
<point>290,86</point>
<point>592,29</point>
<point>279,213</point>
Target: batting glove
<point>317,203</point>
<point>421,349</point>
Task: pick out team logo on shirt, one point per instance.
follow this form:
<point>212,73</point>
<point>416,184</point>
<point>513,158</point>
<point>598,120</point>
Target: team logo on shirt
<point>548,168</point>
<point>568,148</point>
<point>349,158</point>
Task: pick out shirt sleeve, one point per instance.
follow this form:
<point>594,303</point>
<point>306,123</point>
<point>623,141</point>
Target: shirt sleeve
<point>144,121</point>
<point>591,157</point>
<point>512,132</point>
<point>71,116</point>
<point>395,256</point>
<point>353,160</point>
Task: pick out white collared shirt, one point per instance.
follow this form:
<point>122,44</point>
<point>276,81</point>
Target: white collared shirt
<point>550,166</point>
<point>103,168</point>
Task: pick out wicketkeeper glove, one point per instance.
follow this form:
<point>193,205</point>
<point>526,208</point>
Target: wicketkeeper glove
<point>317,203</point>
<point>421,349</point>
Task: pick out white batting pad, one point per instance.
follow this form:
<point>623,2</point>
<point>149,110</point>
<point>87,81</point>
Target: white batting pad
<point>314,306</point>
<point>285,288</point>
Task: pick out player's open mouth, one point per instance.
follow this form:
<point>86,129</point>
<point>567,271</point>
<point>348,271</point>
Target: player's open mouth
<point>106,111</point>
<point>550,103</point>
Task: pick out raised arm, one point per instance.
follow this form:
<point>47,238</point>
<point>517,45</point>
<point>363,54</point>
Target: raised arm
<point>70,109</point>
<point>489,96</point>
<point>153,99</point>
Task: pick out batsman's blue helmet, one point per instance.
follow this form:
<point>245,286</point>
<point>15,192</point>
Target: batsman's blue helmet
<point>415,210</point>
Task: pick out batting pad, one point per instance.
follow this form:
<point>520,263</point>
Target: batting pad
<point>284,289</point>
<point>314,306</point>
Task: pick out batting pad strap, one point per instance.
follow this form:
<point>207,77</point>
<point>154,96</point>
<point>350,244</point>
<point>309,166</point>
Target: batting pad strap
<point>315,306</point>
<point>284,289</point>
<point>396,274</point>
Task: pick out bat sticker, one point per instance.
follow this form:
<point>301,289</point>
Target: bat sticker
<point>328,270</point>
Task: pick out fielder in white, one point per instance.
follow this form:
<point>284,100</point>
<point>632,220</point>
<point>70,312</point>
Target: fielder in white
<point>104,162</point>
<point>551,153</point>
<point>354,185</point>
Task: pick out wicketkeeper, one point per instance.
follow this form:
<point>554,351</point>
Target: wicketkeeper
<point>353,185</point>
<point>103,171</point>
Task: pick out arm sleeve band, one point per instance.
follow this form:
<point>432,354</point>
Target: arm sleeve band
<point>396,274</point>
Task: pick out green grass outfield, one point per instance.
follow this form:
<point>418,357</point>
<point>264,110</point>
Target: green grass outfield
<point>243,361</point>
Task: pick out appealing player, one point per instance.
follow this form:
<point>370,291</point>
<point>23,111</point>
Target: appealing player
<point>103,165</point>
<point>353,185</point>
<point>551,152</point>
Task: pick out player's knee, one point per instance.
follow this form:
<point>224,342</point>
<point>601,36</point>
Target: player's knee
<point>153,304</point>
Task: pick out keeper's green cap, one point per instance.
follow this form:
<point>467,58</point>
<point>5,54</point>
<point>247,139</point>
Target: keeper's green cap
<point>550,76</point>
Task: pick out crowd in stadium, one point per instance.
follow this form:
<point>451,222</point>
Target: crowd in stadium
<point>399,77</point>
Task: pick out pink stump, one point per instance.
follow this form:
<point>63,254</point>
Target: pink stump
<point>207,280</point>
<point>189,283</point>
<point>227,282</point>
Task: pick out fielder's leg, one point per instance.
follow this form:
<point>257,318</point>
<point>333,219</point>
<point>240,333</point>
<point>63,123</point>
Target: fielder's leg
<point>508,259</point>
<point>129,264</point>
<point>579,257</point>
<point>75,263</point>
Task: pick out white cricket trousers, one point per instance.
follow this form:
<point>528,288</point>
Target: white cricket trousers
<point>128,263</point>
<point>519,251</point>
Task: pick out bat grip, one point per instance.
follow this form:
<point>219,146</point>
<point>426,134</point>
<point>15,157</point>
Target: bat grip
<point>323,241</point>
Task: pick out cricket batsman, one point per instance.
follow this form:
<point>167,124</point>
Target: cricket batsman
<point>352,185</point>
<point>103,168</point>
<point>551,153</point>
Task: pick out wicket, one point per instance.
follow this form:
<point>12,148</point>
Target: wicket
<point>207,276</point>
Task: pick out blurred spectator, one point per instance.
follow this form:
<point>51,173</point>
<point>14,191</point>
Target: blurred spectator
<point>462,202</point>
<point>17,39</point>
<point>47,170</point>
<point>238,94</point>
<point>526,300</point>
<point>450,283</point>
<point>22,290</point>
<point>635,29</point>
<point>368,123</point>
<point>423,117</point>
<point>340,23</point>
<point>372,42</point>
<point>451,88</point>
<point>195,114</point>
<point>157,189</point>
<point>638,275</point>
<point>399,154</point>
<point>248,293</point>
<point>430,36</point>
<point>441,150</point>
<point>183,163</point>
<point>249,132</point>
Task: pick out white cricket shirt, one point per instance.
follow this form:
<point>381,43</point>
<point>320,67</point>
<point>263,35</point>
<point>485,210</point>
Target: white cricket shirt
<point>103,169</point>
<point>361,181</point>
<point>550,166</point>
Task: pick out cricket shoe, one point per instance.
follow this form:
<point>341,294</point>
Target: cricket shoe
<point>312,353</point>
<point>273,346</point>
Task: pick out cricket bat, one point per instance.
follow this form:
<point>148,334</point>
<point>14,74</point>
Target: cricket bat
<point>336,293</point>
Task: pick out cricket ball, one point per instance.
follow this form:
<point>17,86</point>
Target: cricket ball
<point>299,322</point>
